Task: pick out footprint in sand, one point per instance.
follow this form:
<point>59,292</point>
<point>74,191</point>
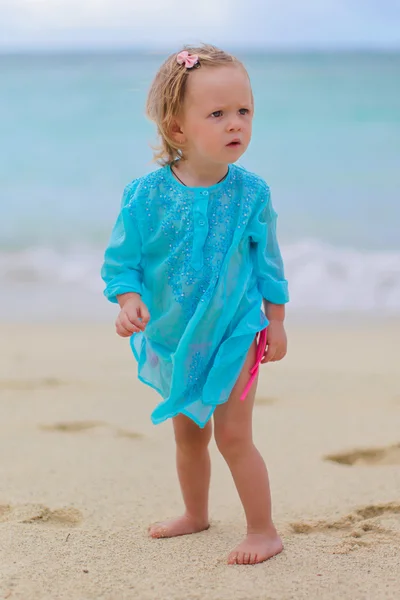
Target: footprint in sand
<point>265,401</point>
<point>29,384</point>
<point>40,514</point>
<point>368,456</point>
<point>5,509</point>
<point>73,426</point>
<point>364,527</point>
<point>78,426</point>
<point>130,435</point>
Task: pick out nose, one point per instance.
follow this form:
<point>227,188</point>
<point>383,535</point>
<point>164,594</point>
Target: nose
<point>234,125</point>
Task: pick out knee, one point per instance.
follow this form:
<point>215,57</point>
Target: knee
<point>191,439</point>
<point>231,439</point>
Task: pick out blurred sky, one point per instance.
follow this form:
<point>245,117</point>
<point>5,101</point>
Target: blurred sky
<point>164,23</point>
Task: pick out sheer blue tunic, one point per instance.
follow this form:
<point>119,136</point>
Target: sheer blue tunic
<point>202,259</point>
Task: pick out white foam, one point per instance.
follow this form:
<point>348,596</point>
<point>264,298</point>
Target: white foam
<point>321,277</point>
<point>40,265</point>
<point>333,279</point>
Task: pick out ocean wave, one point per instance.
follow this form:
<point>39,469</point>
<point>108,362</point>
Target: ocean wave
<point>328,278</point>
<point>321,277</point>
<point>46,266</point>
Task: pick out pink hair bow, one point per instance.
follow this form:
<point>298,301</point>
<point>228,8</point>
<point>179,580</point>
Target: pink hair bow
<point>190,60</point>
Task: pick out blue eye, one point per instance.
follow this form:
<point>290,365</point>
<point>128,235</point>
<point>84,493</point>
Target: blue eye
<point>244,111</point>
<point>216,114</point>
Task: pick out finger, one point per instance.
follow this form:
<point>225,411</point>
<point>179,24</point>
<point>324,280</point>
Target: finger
<point>121,330</point>
<point>269,355</point>
<point>124,332</point>
<point>130,323</point>
<point>279,355</point>
<point>144,314</point>
<point>137,323</point>
<point>126,325</point>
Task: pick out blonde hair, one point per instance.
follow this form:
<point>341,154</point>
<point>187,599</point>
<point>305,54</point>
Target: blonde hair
<point>167,94</point>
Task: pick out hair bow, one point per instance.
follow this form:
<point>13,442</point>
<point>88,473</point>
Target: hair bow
<point>189,60</point>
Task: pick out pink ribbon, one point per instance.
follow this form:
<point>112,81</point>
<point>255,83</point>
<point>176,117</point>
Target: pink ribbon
<point>188,59</point>
<point>254,370</point>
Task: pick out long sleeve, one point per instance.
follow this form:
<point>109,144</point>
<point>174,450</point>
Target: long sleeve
<point>266,253</point>
<point>121,270</point>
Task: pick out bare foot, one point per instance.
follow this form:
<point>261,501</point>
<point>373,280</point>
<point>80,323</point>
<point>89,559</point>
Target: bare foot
<point>181,526</point>
<point>256,548</point>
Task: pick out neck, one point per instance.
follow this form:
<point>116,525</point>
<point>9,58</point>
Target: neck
<point>197,173</point>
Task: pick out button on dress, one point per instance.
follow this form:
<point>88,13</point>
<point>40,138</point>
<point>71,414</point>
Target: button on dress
<point>202,259</point>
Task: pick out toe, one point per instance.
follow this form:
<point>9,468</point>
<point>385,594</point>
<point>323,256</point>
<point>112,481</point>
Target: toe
<point>150,528</point>
<point>232,558</point>
<point>253,559</point>
<point>154,527</point>
<point>156,532</point>
<point>246,558</point>
<point>240,558</point>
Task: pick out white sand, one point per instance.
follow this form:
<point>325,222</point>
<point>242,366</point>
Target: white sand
<point>83,472</point>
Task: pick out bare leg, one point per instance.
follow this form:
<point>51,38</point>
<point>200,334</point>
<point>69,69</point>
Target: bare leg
<point>233,435</point>
<point>193,466</point>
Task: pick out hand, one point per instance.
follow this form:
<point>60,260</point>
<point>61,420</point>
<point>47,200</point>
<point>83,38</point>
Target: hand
<point>133,316</point>
<point>276,342</point>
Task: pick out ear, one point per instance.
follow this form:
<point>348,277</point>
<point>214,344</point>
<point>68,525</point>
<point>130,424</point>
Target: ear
<point>176,132</point>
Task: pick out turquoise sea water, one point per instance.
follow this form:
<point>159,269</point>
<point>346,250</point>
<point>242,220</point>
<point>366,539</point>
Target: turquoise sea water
<point>326,138</point>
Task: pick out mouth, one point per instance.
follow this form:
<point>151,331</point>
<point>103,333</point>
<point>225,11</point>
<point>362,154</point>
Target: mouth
<point>234,144</point>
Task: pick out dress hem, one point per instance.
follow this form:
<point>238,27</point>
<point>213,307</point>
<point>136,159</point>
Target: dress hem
<point>158,421</point>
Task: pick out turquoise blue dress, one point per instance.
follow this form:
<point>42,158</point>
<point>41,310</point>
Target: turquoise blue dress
<point>202,259</point>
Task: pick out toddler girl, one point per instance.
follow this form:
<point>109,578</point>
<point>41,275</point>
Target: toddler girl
<point>191,258</point>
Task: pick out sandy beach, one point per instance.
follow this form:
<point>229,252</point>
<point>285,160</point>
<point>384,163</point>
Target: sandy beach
<point>83,472</point>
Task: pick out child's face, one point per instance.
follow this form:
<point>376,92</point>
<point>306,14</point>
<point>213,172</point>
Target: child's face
<point>218,112</point>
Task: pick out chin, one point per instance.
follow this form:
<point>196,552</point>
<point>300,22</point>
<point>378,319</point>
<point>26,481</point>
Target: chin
<point>233,154</point>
